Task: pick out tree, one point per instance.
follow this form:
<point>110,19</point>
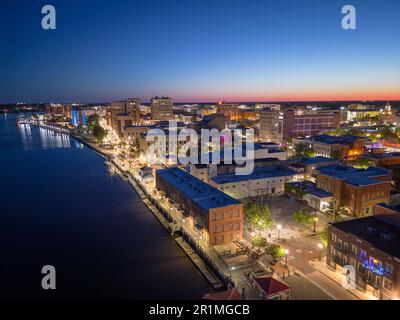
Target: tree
<point>259,242</point>
<point>362,163</point>
<point>92,121</point>
<point>324,236</point>
<point>303,150</point>
<point>275,251</point>
<point>296,190</point>
<point>335,212</point>
<point>303,217</point>
<point>258,216</point>
<point>99,133</point>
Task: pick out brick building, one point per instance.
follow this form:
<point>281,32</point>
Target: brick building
<point>357,190</point>
<point>371,246</point>
<point>213,215</point>
<point>302,122</point>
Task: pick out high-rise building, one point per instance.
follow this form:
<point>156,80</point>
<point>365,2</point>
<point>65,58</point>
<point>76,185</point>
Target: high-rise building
<point>124,113</point>
<point>271,126</point>
<point>304,122</point>
<point>161,109</point>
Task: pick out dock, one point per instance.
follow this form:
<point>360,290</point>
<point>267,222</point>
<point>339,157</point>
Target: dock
<point>198,262</point>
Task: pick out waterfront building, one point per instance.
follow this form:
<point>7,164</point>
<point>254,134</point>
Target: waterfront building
<point>371,246</point>
<point>56,110</point>
<point>161,109</point>
<point>357,190</point>
<point>214,216</point>
<point>124,113</point>
<point>267,181</point>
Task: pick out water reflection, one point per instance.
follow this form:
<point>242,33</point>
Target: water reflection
<point>46,139</point>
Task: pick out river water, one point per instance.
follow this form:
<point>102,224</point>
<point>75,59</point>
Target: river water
<point>60,206</point>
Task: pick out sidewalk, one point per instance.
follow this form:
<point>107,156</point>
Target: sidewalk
<point>320,266</point>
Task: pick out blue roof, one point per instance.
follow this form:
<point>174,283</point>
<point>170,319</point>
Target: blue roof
<point>310,188</point>
<point>357,177</point>
<point>258,173</point>
<point>311,161</point>
<point>346,139</point>
<point>204,195</point>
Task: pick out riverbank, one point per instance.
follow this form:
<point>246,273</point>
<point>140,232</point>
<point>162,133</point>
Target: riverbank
<point>214,280</point>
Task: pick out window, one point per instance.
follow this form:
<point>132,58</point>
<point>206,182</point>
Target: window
<point>387,284</point>
<point>334,237</point>
<point>231,226</point>
<point>363,254</point>
<point>222,215</point>
<point>238,226</point>
<point>215,228</point>
<point>388,268</point>
<point>230,236</point>
<point>353,248</point>
<point>222,228</point>
<point>237,213</point>
<point>215,216</point>
<point>230,214</point>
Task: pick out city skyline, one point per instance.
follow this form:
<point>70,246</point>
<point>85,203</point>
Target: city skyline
<point>200,52</point>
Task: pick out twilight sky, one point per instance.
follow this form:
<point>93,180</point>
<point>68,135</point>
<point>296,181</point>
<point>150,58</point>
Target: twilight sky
<point>199,50</point>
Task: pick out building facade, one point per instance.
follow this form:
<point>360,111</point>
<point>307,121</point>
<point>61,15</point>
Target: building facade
<point>303,122</point>
<point>357,190</point>
<point>370,247</point>
<point>229,110</point>
<point>268,181</point>
<point>271,125</point>
<point>213,215</point>
<point>161,109</point>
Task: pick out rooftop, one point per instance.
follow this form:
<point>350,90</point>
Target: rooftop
<point>206,196</point>
<point>357,177</point>
<point>328,139</point>
<point>310,188</point>
<point>379,233</point>
<point>258,173</point>
<point>271,286</point>
<point>311,161</point>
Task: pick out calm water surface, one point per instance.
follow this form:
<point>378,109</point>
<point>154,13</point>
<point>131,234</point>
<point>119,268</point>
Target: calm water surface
<point>59,206</point>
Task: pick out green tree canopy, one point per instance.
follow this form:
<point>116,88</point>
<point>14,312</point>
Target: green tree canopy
<point>99,132</point>
<point>259,241</point>
<point>258,216</point>
<point>362,163</point>
<point>303,217</point>
<point>303,150</point>
<point>275,251</point>
<point>324,236</point>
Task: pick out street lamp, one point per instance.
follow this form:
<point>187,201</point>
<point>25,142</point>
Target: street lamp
<point>320,246</point>
<point>279,230</point>
<point>315,224</point>
<point>286,257</point>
